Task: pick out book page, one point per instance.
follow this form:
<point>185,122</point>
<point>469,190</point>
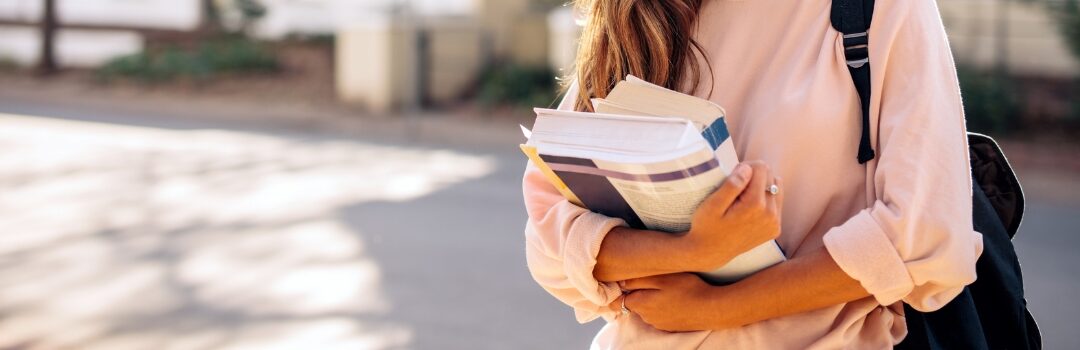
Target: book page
<point>612,132</point>
<point>667,195</point>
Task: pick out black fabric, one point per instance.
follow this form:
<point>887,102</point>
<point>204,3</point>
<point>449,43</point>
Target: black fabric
<point>991,313</point>
<point>852,18</point>
<point>994,176</point>
<point>960,317</point>
<point>999,291</point>
<point>861,76</point>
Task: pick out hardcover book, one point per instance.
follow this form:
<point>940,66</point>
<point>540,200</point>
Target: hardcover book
<point>649,155</point>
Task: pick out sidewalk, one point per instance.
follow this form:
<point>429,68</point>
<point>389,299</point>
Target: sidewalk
<point>158,233</point>
<point>249,110</point>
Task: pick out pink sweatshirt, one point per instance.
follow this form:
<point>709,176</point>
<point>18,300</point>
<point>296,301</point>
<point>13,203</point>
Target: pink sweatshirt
<point>900,225</point>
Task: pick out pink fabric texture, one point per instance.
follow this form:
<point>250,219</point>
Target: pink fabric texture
<point>900,225</point>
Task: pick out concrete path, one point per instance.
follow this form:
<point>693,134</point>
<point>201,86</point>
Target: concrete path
<point>126,230</point>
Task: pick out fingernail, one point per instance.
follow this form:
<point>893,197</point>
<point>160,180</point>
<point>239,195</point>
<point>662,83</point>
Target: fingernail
<point>742,172</point>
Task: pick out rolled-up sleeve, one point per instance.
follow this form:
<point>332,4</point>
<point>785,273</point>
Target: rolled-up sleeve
<point>562,241</point>
<point>915,243</point>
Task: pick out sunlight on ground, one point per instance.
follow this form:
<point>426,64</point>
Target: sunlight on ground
<point>122,237</point>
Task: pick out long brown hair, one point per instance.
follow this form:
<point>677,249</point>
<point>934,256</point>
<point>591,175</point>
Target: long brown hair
<point>650,39</point>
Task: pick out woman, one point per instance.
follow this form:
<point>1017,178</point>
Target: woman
<point>860,238</point>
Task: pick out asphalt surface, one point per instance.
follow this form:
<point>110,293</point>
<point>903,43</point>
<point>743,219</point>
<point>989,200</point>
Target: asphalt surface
<point>133,229</point>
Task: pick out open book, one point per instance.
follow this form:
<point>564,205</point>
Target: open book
<point>648,155</point>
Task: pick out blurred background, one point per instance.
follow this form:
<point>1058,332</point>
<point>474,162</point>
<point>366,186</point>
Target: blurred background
<point>324,174</point>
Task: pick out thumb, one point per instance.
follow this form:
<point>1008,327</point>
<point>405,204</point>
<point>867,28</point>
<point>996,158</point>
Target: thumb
<point>731,188</point>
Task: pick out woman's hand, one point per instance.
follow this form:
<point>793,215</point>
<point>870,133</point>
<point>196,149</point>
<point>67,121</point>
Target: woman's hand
<point>731,221</point>
<point>680,302</point>
<point>739,216</point>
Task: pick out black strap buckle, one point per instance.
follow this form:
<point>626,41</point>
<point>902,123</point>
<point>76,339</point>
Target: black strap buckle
<point>856,49</point>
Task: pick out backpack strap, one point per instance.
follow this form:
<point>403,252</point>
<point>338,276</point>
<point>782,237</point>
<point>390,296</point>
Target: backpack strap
<point>852,18</point>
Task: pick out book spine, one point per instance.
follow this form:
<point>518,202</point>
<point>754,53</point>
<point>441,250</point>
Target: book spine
<point>716,133</point>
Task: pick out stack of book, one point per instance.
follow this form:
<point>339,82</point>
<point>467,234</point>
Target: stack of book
<point>649,155</point>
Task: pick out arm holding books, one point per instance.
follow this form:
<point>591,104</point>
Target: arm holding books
<point>683,302</point>
<point>737,217</point>
<point>578,256</point>
<point>628,253</point>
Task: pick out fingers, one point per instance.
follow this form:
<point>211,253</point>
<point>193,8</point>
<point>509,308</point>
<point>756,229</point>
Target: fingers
<point>754,195</point>
<point>731,188</point>
<point>773,203</point>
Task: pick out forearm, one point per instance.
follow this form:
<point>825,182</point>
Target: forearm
<point>806,283</point>
<point>628,253</point>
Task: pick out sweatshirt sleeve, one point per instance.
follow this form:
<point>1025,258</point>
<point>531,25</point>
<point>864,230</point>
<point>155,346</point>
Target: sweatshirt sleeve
<point>562,241</point>
<point>915,242</point>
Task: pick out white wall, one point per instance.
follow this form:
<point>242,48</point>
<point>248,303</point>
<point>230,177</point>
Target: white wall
<point>84,49</point>
<point>376,65</point>
<point>283,16</point>
<point>74,48</point>
<point>1033,42</point>
<point>161,14</point>
<point>87,48</point>
<point>19,45</point>
<point>20,9</point>
<point>326,16</point>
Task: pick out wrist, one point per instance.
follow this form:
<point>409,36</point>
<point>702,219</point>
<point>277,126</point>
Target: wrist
<point>725,311</point>
<point>701,255</point>
<point>680,252</point>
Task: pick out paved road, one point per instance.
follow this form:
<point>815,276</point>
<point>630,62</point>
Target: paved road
<point>1047,246</point>
<point>124,230</point>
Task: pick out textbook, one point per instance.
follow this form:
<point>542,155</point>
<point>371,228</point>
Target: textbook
<point>649,156</point>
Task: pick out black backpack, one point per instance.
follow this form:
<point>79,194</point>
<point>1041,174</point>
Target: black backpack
<point>990,313</point>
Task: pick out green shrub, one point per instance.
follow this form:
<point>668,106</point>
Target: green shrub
<point>991,101</point>
<point>319,39</point>
<point>517,86</point>
<point>1067,14</point>
<point>230,54</point>
<point>237,55</point>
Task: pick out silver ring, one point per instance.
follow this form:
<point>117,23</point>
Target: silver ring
<point>625,311</point>
<point>773,190</point>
